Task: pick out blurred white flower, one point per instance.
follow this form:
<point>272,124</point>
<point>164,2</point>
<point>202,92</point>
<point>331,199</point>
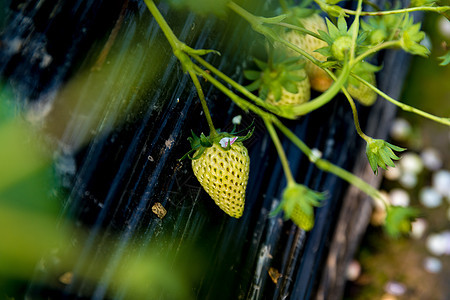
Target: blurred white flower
<point>393,173</point>
<point>418,228</point>
<point>431,159</point>
<point>439,244</point>
<point>353,270</point>
<point>399,197</point>
<point>400,130</point>
<point>395,288</point>
<point>432,264</point>
<point>408,180</point>
<point>411,163</point>
<point>441,182</point>
<point>444,26</point>
<point>237,120</point>
<point>429,197</point>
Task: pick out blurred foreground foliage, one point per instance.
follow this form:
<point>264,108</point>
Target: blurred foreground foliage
<point>33,239</point>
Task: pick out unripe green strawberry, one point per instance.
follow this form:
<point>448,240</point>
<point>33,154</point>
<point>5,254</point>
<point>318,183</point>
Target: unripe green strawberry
<point>318,78</point>
<point>224,175</point>
<point>287,98</point>
<point>301,219</point>
<point>298,204</point>
<point>358,90</point>
<point>341,47</point>
<point>362,93</point>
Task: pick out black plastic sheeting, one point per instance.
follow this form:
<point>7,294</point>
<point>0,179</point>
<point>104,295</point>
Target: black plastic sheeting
<point>114,169</point>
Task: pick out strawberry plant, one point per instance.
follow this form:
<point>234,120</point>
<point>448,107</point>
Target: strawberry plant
<point>329,52</point>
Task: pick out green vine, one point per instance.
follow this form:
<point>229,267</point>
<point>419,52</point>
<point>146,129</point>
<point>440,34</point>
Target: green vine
<point>344,52</point>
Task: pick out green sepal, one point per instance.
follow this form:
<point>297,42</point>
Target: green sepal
<point>379,153</point>
<point>262,65</point>
<point>251,74</point>
<point>445,59</point>
<point>291,87</point>
<point>342,25</point>
<point>255,85</point>
<point>204,141</point>
<point>247,136</point>
<point>197,144</point>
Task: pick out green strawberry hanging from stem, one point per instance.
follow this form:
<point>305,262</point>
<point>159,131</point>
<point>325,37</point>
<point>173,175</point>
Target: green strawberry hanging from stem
<point>221,164</point>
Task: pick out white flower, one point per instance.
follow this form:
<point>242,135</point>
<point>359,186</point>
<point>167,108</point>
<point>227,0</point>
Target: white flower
<point>227,141</point>
<point>237,120</point>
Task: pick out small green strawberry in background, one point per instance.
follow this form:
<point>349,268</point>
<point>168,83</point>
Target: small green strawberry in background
<point>298,204</point>
<point>221,164</point>
<point>282,81</point>
<point>318,78</point>
<point>358,90</point>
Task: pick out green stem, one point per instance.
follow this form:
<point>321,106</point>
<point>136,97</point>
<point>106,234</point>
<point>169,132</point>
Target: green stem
<point>405,107</point>
<point>355,115</point>
<point>240,88</point>
<point>324,97</point>
<point>257,24</point>
<point>321,164</point>
<point>179,49</point>
<point>170,36</point>
<point>212,130</point>
<point>331,168</point>
<point>284,162</point>
<point>297,28</point>
<point>353,107</point>
<point>355,27</point>
<point>297,110</point>
<point>242,103</point>
<point>374,49</point>
<point>439,9</point>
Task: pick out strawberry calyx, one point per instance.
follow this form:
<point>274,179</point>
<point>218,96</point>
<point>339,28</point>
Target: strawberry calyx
<point>339,40</point>
<point>225,139</point>
<point>275,75</point>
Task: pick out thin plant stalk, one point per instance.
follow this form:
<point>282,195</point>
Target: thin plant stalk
<point>403,106</point>
<point>439,9</point>
<point>282,155</point>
